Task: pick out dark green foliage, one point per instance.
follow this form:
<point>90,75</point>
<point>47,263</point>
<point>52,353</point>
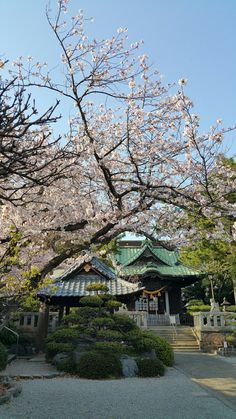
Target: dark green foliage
<point>195,302</point>
<point>68,365</point>
<point>163,349</point>
<point>195,308</point>
<point>112,346</point>
<point>7,338</point>
<point>91,301</point>
<point>53,348</point>
<point>134,339</point>
<point>103,322</point>
<point>232,309</point>
<point>110,335</point>
<point>138,341</point>
<point>3,357</point>
<point>97,286</point>
<point>105,337</point>
<point>123,323</point>
<point>231,340</point>
<point>150,367</point>
<point>64,335</point>
<point>113,304</point>
<point>99,364</point>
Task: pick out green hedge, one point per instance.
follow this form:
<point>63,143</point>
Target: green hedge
<point>232,309</point>
<point>123,323</point>
<point>91,301</point>
<point>99,365</point>
<point>68,365</point>
<point>150,367</point>
<point>64,335</point>
<point>3,357</point>
<point>197,308</point>
<point>110,335</point>
<point>163,349</point>
<point>53,348</point>
<point>112,346</point>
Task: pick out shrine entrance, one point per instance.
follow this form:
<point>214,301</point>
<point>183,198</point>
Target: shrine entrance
<point>156,304</point>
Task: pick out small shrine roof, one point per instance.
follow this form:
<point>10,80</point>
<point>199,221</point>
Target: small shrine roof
<point>74,281</point>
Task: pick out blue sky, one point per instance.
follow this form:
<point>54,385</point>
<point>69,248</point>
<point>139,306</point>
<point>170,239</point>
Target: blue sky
<point>194,39</point>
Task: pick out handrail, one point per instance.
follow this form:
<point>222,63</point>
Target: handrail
<point>14,333</point>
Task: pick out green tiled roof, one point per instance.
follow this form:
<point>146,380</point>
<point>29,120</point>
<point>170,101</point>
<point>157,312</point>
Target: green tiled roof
<point>176,271</point>
<point>165,262</point>
<point>129,254</point>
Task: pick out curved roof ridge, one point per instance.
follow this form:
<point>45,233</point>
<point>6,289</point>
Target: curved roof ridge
<point>95,262</point>
<point>147,244</point>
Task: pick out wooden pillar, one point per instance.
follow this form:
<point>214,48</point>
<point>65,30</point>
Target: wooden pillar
<point>61,313</point>
<point>167,302</point>
<point>67,310</point>
<point>42,328</point>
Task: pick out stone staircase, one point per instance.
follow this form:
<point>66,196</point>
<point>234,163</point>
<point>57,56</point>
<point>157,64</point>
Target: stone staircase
<point>181,338</point>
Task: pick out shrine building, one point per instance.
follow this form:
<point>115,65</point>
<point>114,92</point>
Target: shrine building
<point>147,278</point>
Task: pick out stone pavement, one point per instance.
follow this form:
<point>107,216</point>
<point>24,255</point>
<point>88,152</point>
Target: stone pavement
<point>199,386</point>
<point>214,373</point>
<point>35,367</point>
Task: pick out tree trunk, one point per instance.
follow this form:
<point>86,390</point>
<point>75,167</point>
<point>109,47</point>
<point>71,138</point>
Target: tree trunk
<point>42,329</point>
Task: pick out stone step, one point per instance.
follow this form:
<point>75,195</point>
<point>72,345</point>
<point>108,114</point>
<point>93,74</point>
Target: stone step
<point>181,338</point>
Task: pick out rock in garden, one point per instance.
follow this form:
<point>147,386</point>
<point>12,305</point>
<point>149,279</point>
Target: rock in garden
<point>129,366</point>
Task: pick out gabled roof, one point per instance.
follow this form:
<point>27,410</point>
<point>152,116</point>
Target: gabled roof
<point>128,255</point>
<point>74,281</point>
<point>164,262</point>
<point>77,287</point>
<point>95,263</point>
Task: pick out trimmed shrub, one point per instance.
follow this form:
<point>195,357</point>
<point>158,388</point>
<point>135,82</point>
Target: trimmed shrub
<point>91,301</point>
<point>64,335</point>
<point>3,357</point>
<point>110,335</point>
<point>53,348</point>
<point>163,349</point>
<point>111,346</point>
<point>68,365</point>
<point>103,322</point>
<point>231,340</point>
<point>197,308</point>
<point>232,309</point>
<point>99,364</point>
<point>123,323</point>
<point>113,304</point>
<point>195,302</point>
<point>150,367</point>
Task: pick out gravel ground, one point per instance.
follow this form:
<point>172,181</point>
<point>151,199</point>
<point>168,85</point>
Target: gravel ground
<point>174,396</point>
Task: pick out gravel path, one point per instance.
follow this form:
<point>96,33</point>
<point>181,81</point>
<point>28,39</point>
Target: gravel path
<point>174,396</point>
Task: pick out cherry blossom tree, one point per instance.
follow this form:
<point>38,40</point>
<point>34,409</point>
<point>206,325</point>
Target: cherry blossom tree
<point>29,156</point>
<point>137,158</point>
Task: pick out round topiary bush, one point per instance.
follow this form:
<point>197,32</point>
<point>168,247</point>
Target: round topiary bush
<point>99,364</point>
<point>163,349</point>
<point>3,357</point>
<point>150,367</point>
